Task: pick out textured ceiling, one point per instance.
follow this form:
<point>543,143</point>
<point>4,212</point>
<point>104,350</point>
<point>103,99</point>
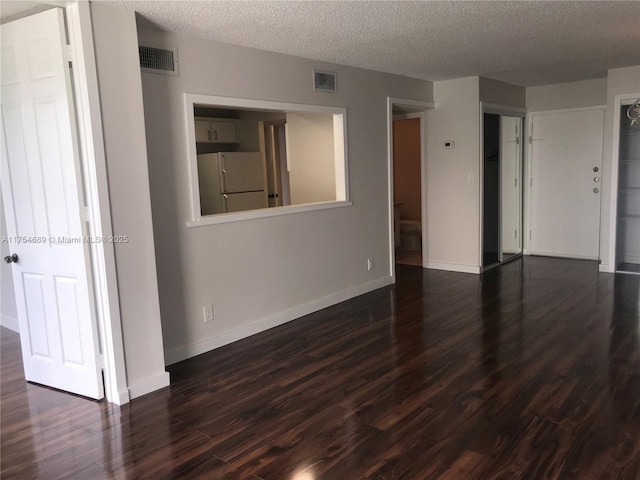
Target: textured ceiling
<point>12,9</point>
<point>525,43</point>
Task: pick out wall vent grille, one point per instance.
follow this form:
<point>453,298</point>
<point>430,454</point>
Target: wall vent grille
<point>158,60</point>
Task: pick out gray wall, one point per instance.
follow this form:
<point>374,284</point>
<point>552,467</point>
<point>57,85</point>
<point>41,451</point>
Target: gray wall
<point>502,93</point>
<point>587,93</point>
<point>126,156</point>
<point>259,273</point>
<point>453,202</point>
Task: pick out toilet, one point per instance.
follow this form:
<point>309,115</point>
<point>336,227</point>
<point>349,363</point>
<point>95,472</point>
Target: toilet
<point>411,235</point>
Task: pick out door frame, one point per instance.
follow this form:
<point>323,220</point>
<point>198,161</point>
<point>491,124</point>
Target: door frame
<point>417,109</point>
<point>94,167</point>
<point>610,255</point>
<point>266,141</point>
<point>528,178</point>
<point>509,111</point>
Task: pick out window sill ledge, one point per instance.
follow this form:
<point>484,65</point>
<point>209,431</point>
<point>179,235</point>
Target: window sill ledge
<point>264,213</point>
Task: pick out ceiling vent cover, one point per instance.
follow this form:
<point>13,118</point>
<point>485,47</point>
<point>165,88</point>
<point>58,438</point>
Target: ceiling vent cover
<point>158,60</point>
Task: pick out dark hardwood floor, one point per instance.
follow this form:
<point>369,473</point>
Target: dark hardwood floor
<point>531,371</point>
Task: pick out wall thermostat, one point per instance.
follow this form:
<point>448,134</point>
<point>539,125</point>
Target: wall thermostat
<point>449,144</point>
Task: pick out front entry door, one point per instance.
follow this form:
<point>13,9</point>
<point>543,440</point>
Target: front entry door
<point>42,191</point>
<point>566,162</point>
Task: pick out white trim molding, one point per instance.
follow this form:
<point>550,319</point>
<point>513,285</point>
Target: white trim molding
<point>9,322</point>
<point>418,108</point>
<point>267,212</point>
<point>506,110</point>
<point>148,385</point>
<point>94,167</point>
<point>452,267</point>
<point>340,156</point>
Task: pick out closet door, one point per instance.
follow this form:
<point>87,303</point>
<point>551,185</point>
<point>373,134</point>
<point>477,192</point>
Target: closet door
<point>491,191</point>
<point>510,186</point>
<point>628,225</point>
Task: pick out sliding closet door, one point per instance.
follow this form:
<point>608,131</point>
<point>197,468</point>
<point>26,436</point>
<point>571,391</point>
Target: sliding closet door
<point>491,190</point>
<point>510,183</point>
<point>628,226</point>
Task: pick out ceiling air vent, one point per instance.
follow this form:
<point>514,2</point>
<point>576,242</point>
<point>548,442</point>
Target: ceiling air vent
<point>158,60</point>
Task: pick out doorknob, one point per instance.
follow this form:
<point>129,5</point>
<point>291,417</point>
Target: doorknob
<point>11,258</point>
<point>595,169</point>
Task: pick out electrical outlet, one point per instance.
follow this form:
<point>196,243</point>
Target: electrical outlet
<point>208,313</point>
<point>370,264</point>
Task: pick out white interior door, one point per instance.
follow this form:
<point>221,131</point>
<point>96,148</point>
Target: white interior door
<point>510,195</point>
<point>565,190</point>
<point>41,186</point>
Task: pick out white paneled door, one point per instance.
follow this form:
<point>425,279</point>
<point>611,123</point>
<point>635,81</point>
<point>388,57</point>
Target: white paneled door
<point>41,187</point>
<point>566,169</point>
<point>510,193</point>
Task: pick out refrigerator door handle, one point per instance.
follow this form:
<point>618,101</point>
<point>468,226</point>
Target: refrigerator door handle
<point>224,179</point>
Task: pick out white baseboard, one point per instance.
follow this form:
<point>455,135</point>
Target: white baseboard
<point>148,385</point>
<point>605,268</point>
<point>453,267</point>
<point>563,255</point>
<point>123,397</point>
<point>178,354</point>
<point>9,322</point>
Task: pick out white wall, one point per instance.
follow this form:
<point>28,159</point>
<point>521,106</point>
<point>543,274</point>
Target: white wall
<point>619,81</point>
<point>311,158</point>
<point>502,93</point>
<point>262,272</point>
<point>126,156</point>
<point>8,311</point>
<point>453,204</point>
<point>586,93</point>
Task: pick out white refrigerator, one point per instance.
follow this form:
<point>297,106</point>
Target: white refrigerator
<point>231,182</point>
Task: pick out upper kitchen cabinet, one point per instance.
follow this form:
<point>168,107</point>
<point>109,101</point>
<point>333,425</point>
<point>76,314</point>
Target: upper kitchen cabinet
<point>217,130</point>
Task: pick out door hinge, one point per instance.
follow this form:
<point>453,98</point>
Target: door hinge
<point>69,52</point>
<point>101,362</point>
<point>517,140</point>
<point>530,139</point>
<point>85,215</point>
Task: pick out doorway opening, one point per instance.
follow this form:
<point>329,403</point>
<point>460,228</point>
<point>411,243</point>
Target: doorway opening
<point>502,198</point>
<point>273,146</point>
<point>406,120</point>
<point>407,189</point>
